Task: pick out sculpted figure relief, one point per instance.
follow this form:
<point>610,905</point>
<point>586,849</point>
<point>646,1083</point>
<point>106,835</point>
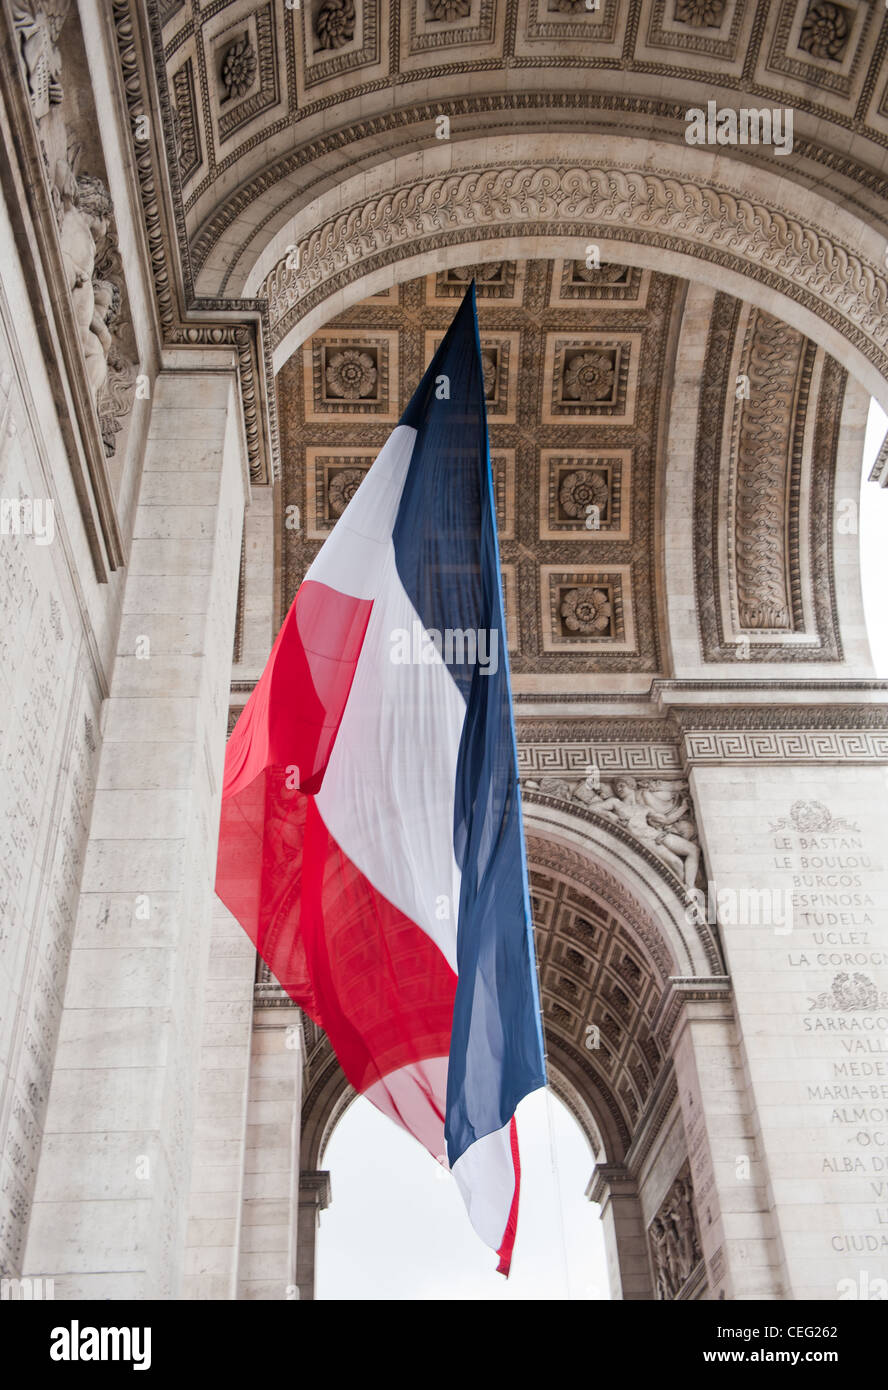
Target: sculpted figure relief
<point>82,203</point>
<point>675,1247</point>
<point>39,24</point>
<point>656,811</point>
<point>83,228</point>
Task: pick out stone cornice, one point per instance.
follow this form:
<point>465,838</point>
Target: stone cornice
<point>682,990</point>
<point>315,1189</point>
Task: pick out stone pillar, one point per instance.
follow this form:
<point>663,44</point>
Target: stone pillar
<point>733,1220</point>
<point>797,819</point>
<point>269,1218</point>
<point>111,1196</point>
<point>217,1175</point>
<point>314,1197</point>
<point>628,1266</point>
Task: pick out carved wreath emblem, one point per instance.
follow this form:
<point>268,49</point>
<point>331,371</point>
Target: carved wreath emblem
<point>812,817</point>
<point>587,610</point>
<point>856,993</point>
<point>589,377</point>
<point>351,374</point>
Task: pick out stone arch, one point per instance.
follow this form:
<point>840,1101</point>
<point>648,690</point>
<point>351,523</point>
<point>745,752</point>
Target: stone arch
<point>677,209</point>
<point>612,942</point>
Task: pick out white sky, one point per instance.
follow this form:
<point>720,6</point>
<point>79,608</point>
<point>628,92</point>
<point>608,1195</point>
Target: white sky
<point>397,1228</point>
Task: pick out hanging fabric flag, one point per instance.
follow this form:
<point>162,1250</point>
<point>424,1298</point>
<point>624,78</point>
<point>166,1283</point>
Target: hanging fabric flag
<point>371,841</point>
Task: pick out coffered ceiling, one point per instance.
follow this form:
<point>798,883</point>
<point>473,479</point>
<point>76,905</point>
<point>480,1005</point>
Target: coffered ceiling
<point>578,365</point>
<point>272,103</point>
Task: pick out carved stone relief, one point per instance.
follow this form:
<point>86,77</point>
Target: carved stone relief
<point>674,1238</point>
<point>84,215</point>
<point>765,492</point>
<point>656,811</point>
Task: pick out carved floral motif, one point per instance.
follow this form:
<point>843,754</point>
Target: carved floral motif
<point>350,374</point>
<point>588,377</point>
<point>335,23</point>
<point>587,610</point>
<point>701,14</point>
<point>825,31</point>
<point>583,489</point>
<point>238,69</point>
<point>343,488</point>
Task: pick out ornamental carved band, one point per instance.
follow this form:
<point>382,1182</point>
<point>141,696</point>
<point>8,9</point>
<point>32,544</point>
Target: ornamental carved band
<point>773,363</point>
<point>717,224</point>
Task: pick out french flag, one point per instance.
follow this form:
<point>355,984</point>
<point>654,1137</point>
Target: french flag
<point>371,839</point>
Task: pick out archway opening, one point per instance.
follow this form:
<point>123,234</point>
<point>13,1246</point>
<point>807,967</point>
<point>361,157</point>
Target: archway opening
<point>397,1228</point>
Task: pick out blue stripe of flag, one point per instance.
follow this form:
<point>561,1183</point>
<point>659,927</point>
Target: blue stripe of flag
<point>447,556</point>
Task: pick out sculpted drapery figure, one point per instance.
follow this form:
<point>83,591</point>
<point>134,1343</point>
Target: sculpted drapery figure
<point>82,202</point>
<point>39,24</point>
<point>656,811</point>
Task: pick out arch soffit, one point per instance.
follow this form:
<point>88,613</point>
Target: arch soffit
<point>586,849</point>
<point>681,210</point>
<point>581,855</point>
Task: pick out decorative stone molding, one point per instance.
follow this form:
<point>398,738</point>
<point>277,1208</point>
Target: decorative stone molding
<point>315,1189</point>
<point>750,494</point>
<point>804,262</point>
<point>788,746</point>
<point>682,989</point>
<point>800,734</point>
<point>568,761</point>
<point>769,421</point>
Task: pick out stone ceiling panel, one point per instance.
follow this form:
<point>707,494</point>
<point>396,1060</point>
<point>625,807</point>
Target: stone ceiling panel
<point>573,449</point>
